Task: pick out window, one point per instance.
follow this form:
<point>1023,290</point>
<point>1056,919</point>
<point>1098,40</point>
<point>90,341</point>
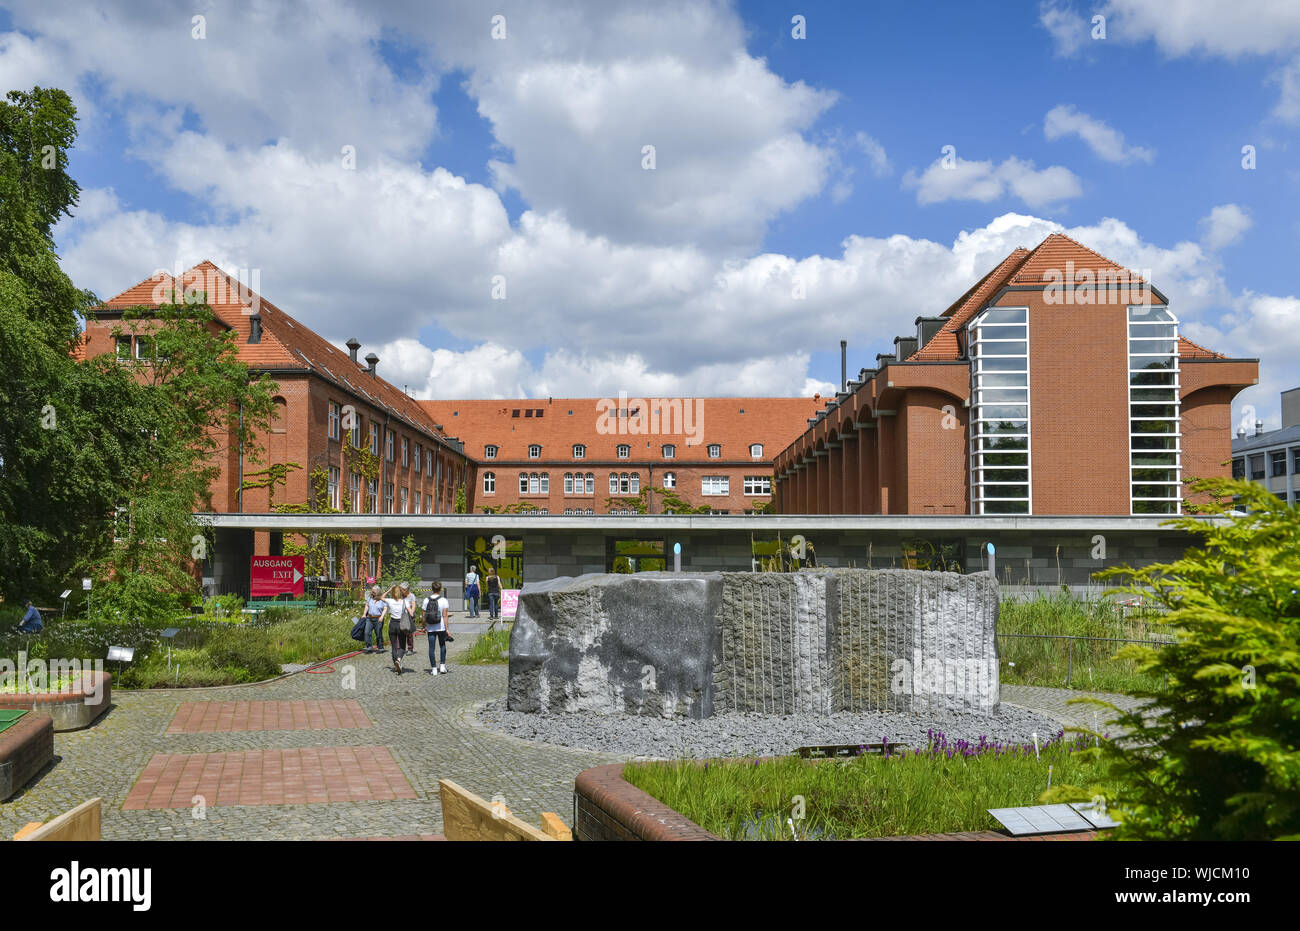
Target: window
<point>623,485</point>
<point>715,451</point>
<point>123,349</point>
<point>334,421</point>
<point>333,490</point>
<point>374,439</point>
<point>388,445</point>
<point>144,348</point>
<point>1154,435</point>
<point>406,452</point>
<point>1295,460</point>
<point>579,451</point>
<point>417,458</point>
<point>331,559</point>
<point>489,483</point>
<point>1277,461</point>
<point>388,497</point>
<point>624,451</point>
<point>635,484</point>
<point>568,484</point>
<point>354,492</point>
<point>1257,466</point>
<point>419,503</point>
<point>715,485</point>
<point>670,479</point>
<point>534,452</point>
<point>758,485</point>
<point>523,483</point>
<point>354,558</point>
<point>546,483</point>
<point>372,495</point>
<point>489,452</point>
<point>999,418</point>
<point>755,450</point>
<point>1239,468</point>
<point>528,412</point>
<point>515,412</point>
<point>372,558</point>
<point>356,431</point>
<point>406,502</point>
<point>669,450</point>
<point>591,484</point>
<point>428,463</point>
<point>613,483</point>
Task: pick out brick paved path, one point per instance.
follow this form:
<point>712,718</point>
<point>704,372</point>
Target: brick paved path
<point>425,725</point>
<point>1056,704</point>
<point>305,757</point>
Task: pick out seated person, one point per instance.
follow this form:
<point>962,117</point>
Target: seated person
<point>31,623</point>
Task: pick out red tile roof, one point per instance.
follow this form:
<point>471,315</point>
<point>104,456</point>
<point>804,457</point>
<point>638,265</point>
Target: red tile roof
<point>1048,262</point>
<point>566,422</point>
<point>286,344</point>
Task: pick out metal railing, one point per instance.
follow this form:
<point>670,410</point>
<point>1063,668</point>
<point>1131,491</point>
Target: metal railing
<point>1070,638</point>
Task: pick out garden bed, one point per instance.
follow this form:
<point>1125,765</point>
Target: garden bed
<point>943,791</point>
<point>71,708</point>
<point>25,748</point>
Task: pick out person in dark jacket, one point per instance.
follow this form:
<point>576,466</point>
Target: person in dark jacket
<point>31,623</point>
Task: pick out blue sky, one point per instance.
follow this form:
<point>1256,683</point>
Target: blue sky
<point>780,162</point>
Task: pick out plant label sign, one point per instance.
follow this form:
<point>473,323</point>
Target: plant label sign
<point>509,602</point>
<point>276,575</point>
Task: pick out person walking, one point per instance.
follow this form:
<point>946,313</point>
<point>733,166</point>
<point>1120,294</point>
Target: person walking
<point>375,608</point>
<point>494,594</point>
<point>435,625</point>
<point>408,611</point>
<point>399,626</point>
<point>31,622</point>
<point>471,592</point>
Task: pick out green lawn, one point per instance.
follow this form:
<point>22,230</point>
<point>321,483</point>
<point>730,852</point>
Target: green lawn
<point>866,796</point>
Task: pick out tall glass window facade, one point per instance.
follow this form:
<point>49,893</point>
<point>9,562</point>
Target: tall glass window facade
<point>999,421</point>
<point>1155,441</point>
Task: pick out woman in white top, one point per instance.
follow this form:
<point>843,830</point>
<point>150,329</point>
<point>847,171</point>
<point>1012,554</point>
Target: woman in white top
<point>400,627</point>
<point>435,625</point>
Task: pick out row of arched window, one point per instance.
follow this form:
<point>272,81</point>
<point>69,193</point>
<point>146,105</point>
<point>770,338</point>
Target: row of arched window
<point>576,483</point>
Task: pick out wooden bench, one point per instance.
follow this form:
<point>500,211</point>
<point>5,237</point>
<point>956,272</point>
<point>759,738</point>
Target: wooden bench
<point>465,816</point>
<point>80,824</point>
<point>843,750</point>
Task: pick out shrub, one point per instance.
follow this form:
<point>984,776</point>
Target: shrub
<point>244,650</point>
<point>1220,760</point>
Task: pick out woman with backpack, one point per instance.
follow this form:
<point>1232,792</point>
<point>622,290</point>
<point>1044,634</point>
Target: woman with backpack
<point>435,625</point>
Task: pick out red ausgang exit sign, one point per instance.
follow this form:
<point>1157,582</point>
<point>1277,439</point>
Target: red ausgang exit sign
<point>276,575</point>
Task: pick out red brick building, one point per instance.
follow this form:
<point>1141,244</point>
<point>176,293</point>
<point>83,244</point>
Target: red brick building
<point>1058,384</point>
<point>327,399</point>
<point>595,456</point>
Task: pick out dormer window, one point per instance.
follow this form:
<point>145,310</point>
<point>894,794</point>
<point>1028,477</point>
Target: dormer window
<point>715,450</point>
<point>534,452</point>
<point>624,451</point>
<point>755,450</point>
<point>669,450</point>
<point>579,451</point>
<point>489,452</point>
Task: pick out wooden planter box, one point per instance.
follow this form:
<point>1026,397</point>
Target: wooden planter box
<point>71,709</point>
<point>608,807</point>
<point>25,749</point>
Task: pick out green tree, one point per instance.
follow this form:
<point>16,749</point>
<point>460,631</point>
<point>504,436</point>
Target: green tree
<point>68,431</point>
<point>1221,761</point>
<point>403,563</point>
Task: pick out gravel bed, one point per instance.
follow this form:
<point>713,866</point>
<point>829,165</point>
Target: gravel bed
<point>754,734</point>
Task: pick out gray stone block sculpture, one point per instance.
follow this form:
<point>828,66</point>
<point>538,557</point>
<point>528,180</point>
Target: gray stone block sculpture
<point>668,644</point>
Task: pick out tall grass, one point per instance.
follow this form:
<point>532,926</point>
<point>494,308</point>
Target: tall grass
<point>943,789</point>
<point>1089,664</point>
<point>491,648</point>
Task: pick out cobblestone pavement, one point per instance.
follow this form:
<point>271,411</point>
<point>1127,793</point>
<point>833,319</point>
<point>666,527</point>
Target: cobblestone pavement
<point>428,724</point>
<point>1056,704</point>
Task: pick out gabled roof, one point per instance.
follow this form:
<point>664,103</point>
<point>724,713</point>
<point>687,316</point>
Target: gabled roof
<point>1045,264</point>
<point>285,343</point>
<point>566,422</point>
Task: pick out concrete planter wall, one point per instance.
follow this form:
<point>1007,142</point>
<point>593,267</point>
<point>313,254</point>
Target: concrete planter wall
<point>71,709</point>
<point>25,749</point>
